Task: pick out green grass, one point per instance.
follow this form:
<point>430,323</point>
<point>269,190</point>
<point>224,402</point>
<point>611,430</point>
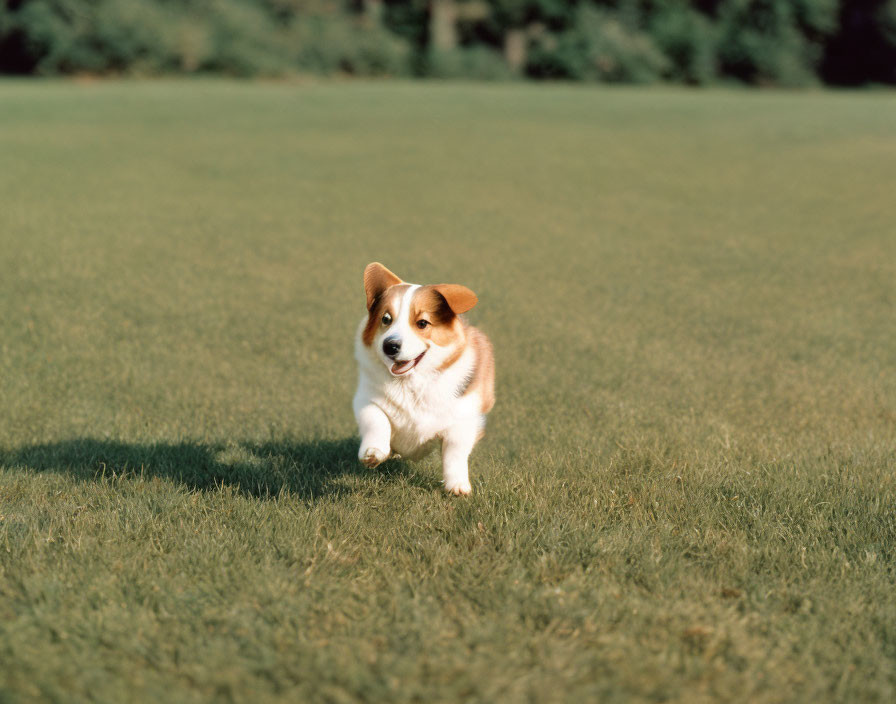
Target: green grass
<point>687,488</point>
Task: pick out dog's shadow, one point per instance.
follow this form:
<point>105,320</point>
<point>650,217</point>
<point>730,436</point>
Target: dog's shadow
<point>308,470</point>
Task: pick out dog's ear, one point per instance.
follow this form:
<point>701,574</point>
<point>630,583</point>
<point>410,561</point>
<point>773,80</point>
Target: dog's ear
<point>459,298</point>
<point>377,279</point>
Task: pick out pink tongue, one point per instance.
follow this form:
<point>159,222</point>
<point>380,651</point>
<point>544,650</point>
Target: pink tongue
<point>400,367</point>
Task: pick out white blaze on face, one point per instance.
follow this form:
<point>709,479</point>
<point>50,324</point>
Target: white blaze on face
<point>402,330</point>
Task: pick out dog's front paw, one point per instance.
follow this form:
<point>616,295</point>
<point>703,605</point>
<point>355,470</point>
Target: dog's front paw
<point>372,457</point>
<point>458,487</point>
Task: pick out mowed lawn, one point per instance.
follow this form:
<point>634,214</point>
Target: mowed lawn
<point>687,491</point>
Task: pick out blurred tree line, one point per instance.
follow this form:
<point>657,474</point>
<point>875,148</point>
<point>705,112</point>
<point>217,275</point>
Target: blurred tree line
<point>763,42</point>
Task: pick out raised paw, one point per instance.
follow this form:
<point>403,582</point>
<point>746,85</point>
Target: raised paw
<point>372,457</point>
<point>458,487</point>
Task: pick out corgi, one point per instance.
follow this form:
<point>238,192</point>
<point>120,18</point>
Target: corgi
<point>426,376</point>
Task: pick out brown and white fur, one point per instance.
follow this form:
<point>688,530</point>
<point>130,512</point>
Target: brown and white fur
<point>426,376</point>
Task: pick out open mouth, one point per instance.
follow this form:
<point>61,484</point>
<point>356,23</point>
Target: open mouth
<point>402,368</point>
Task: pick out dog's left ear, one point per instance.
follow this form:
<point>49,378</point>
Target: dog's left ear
<point>459,298</point>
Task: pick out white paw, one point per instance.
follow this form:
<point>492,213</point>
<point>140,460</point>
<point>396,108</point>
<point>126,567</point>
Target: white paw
<point>371,456</point>
<point>458,487</point>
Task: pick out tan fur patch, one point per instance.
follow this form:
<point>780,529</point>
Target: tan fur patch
<point>459,298</point>
<point>483,379</point>
<point>388,301</point>
<point>377,279</point>
<point>443,326</point>
<point>456,355</point>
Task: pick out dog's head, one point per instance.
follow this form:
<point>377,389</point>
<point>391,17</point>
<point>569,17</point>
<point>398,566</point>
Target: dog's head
<point>411,327</point>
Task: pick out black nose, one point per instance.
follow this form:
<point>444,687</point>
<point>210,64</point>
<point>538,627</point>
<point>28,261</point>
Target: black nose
<point>391,346</point>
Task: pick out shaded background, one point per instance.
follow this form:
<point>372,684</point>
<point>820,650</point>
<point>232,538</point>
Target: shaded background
<point>759,42</point>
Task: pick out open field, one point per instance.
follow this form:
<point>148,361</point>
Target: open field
<point>687,491</point>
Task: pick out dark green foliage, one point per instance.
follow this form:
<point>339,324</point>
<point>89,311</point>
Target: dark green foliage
<point>331,44</point>
<point>760,42</point>
<point>235,37</point>
<point>476,62</point>
<point>240,40</point>
<point>69,36</point>
<point>517,13</point>
<point>408,20</point>
<point>599,47</point>
<point>687,39</point>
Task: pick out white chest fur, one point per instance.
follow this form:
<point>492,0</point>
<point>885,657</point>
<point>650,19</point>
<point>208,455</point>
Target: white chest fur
<point>421,407</point>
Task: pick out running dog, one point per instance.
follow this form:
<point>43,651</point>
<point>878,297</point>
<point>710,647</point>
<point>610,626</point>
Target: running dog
<point>426,376</point>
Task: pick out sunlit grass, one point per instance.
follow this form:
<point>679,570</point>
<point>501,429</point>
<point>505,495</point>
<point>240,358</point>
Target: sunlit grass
<point>687,487</point>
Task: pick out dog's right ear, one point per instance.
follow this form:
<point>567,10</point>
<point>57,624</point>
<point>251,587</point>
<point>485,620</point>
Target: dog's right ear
<point>377,279</point>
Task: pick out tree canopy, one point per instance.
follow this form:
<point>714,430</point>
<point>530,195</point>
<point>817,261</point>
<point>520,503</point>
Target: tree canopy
<point>759,42</point>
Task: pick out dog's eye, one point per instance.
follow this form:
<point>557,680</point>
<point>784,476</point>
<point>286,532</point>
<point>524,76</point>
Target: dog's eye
<point>387,319</point>
<point>422,323</point>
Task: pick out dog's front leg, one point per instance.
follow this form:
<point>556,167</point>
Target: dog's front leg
<point>376,435</point>
<point>457,444</point>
